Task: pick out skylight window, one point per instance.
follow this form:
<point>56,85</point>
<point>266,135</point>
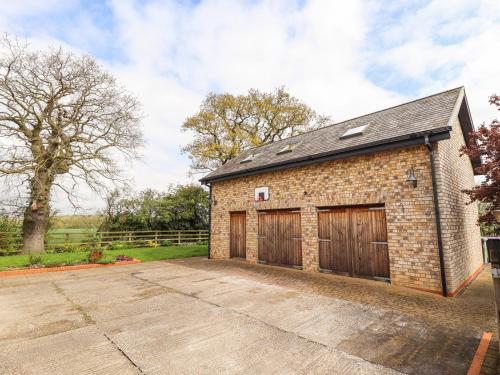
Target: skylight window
<point>249,158</point>
<point>288,148</point>
<point>358,130</point>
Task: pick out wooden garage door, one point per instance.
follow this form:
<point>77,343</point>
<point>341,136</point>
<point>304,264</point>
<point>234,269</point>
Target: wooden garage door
<point>280,238</point>
<point>237,242</point>
<point>353,241</point>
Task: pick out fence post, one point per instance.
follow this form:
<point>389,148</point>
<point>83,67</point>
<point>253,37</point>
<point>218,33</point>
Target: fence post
<point>66,238</point>
<point>156,237</point>
<point>130,237</point>
<point>178,237</point>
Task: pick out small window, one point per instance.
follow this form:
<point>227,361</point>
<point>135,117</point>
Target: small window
<point>249,158</point>
<point>358,130</point>
<point>288,148</point>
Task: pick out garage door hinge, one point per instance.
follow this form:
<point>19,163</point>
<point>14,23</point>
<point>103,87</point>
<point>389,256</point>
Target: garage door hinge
<point>380,243</point>
<point>376,208</point>
<point>297,238</point>
<point>386,279</point>
<point>324,240</point>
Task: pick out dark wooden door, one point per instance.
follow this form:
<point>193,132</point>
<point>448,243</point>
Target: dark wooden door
<point>333,235</point>
<point>370,249</point>
<point>353,241</point>
<point>237,235</point>
<point>280,238</point>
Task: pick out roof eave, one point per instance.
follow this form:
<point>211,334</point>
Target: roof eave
<point>407,141</point>
<point>466,123</point>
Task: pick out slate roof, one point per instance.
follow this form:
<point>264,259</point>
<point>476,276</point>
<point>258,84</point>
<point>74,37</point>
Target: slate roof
<point>429,115</point>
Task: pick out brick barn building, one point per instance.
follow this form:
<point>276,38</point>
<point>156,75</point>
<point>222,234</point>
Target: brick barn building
<point>378,196</point>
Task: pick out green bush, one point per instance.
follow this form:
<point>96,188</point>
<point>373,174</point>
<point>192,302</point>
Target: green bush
<point>10,234</point>
<point>93,242</point>
<point>9,251</point>
<point>67,248</point>
<point>35,260</point>
<point>87,248</point>
<point>166,243</point>
<point>146,243</point>
<point>116,245</point>
<point>202,243</point>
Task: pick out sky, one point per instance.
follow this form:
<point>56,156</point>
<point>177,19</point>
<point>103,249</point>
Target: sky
<point>342,58</point>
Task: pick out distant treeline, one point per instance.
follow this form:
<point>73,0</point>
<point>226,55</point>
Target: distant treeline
<point>181,207</point>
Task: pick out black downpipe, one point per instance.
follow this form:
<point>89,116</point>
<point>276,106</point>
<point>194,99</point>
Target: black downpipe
<point>209,219</point>
<point>438,216</point>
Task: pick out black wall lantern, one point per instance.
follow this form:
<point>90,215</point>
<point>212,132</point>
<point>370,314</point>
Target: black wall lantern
<point>411,178</point>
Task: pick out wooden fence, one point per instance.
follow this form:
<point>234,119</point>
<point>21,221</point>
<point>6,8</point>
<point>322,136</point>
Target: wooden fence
<point>61,238</point>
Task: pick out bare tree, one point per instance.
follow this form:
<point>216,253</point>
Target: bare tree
<point>63,121</point>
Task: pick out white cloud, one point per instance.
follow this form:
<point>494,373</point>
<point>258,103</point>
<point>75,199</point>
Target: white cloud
<point>171,54</point>
<point>448,43</point>
<point>30,7</point>
<point>177,55</point>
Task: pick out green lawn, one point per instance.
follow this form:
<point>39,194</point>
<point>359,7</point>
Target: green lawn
<point>144,254</point>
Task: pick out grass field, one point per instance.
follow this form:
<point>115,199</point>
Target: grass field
<point>144,254</point>
<point>76,221</point>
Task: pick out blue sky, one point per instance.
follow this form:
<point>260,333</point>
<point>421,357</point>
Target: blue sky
<point>344,59</point>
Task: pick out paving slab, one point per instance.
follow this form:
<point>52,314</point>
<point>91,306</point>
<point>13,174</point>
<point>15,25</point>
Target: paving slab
<point>396,340</point>
<point>28,312</point>
<point>194,316</point>
<point>79,351</point>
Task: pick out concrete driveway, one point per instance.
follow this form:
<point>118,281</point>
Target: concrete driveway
<point>204,317</point>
